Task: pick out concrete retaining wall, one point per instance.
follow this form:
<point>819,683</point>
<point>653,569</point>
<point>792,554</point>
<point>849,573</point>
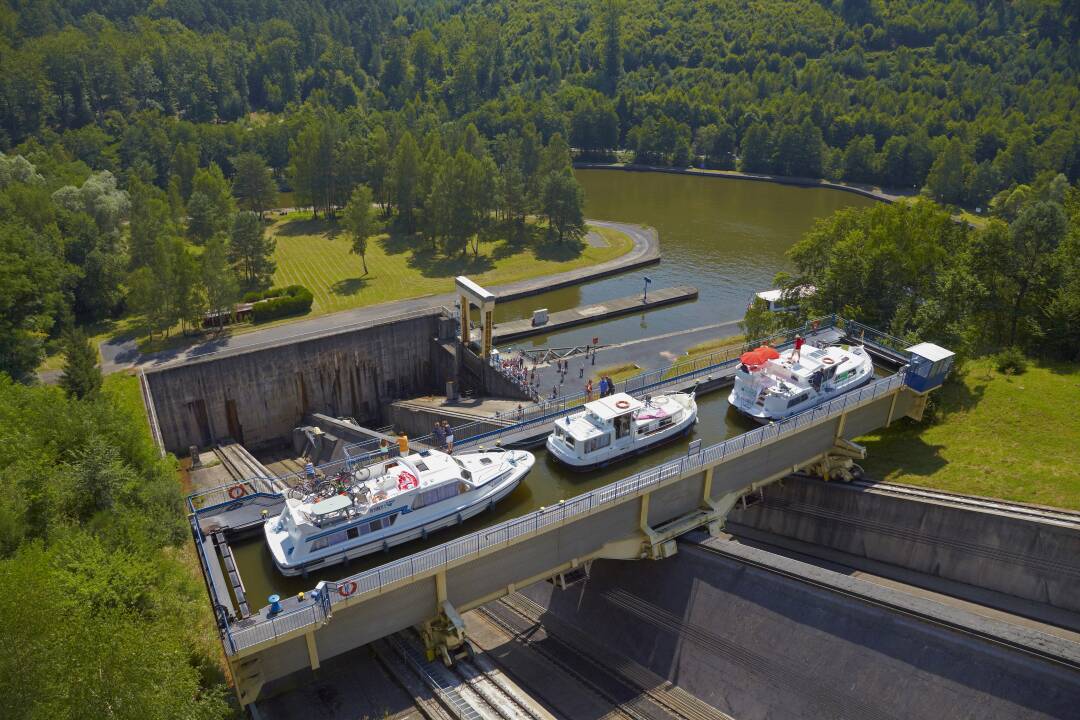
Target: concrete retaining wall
<point>1033,561</point>
<point>257,397</point>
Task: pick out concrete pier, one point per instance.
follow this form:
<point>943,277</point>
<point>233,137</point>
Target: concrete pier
<point>517,329</point>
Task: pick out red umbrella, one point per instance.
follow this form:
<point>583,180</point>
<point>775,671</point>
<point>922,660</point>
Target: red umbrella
<point>767,353</point>
<point>752,358</point>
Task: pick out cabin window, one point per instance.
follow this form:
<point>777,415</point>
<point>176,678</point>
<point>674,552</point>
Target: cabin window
<point>797,399</point>
<point>595,443</point>
<point>622,426</point>
<point>485,461</point>
<point>436,494</point>
<point>353,533</point>
<point>328,540</point>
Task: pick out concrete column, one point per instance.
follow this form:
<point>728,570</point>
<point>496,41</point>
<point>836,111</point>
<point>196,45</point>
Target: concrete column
<point>312,650</point>
<point>706,494</point>
<point>892,409</point>
<point>464,320</point>
<point>440,587</point>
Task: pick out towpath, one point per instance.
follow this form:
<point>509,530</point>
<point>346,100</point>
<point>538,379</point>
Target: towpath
<point>123,354</point>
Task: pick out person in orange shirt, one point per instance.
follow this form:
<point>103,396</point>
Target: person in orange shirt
<point>588,390</point>
<point>403,443</point>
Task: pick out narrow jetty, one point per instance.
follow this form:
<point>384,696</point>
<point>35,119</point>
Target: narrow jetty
<point>517,329</point>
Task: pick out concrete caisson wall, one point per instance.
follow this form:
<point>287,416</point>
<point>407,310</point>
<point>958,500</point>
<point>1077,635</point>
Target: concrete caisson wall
<point>258,396</point>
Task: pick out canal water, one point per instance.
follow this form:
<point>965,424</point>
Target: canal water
<point>726,237</point>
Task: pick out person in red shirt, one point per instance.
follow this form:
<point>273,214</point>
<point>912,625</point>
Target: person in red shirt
<point>798,347</point>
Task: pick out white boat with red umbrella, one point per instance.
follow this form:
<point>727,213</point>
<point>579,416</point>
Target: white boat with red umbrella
<point>388,503</point>
<point>771,385</point>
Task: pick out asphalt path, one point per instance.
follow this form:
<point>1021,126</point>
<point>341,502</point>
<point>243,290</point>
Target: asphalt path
<point>122,354</point>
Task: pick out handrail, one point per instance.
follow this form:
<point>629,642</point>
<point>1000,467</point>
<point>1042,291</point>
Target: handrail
<point>504,533</point>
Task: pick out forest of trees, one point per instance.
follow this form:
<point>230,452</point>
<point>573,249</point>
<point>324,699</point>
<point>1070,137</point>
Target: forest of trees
<point>142,143</point>
<point>913,271</point>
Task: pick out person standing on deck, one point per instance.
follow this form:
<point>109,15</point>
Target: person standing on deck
<point>449,437</point>
<point>438,434</point>
<point>403,443</point>
<point>798,347</point>
<point>588,390</point>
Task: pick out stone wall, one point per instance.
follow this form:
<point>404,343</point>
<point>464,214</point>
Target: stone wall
<point>258,396</point>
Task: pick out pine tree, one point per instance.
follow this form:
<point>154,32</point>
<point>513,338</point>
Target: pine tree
<point>81,377</point>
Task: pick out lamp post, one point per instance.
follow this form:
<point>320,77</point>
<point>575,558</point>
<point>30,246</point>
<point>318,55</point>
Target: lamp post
<point>648,280</point>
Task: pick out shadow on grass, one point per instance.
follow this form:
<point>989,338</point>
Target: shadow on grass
<point>958,395</point>
<point>551,248</point>
<point>432,264</point>
<point>350,286</point>
<point>516,239</point>
<point>902,450</point>
<point>295,228</point>
<point>397,243</point>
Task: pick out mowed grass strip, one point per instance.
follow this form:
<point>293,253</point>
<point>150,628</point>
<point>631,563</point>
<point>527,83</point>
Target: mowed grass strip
<point>317,255</point>
<point>1015,437</point>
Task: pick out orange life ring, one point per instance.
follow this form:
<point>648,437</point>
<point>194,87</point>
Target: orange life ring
<point>407,481</point>
<point>237,491</point>
<point>347,588</point>
<point>827,361</point>
<point>622,404</point>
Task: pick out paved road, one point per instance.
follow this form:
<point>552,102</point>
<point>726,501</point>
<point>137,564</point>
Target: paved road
<point>122,354</point>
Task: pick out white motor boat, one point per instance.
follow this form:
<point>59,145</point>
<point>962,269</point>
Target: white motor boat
<point>620,426</point>
<point>389,503</point>
<point>771,386</point>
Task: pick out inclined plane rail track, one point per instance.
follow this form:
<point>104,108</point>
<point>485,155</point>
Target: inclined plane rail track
<point>1068,518</point>
<point>570,650</point>
<point>468,691</point>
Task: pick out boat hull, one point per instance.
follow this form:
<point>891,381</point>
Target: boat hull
<point>386,540</point>
<point>765,419</point>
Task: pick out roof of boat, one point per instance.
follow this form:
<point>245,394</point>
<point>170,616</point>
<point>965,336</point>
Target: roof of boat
<point>614,405</point>
<point>777,293</point>
<point>812,358</point>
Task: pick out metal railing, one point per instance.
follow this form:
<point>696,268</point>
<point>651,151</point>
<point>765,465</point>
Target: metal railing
<point>504,533</point>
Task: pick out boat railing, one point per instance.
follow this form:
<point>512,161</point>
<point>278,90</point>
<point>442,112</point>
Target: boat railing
<point>469,546</point>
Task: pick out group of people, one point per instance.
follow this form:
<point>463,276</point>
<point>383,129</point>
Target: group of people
<point>515,370</point>
<point>606,387</point>
<point>443,435</point>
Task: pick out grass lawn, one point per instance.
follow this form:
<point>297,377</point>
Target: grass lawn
<point>1011,437</point>
<point>317,255</point>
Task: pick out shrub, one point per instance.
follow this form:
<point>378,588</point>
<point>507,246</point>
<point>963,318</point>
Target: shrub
<point>1010,361</point>
<point>282,302</point>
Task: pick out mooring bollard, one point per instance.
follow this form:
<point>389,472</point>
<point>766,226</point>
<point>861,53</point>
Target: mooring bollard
<point>275,604</point>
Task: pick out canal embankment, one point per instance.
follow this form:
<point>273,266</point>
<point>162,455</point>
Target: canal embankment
<point>560,320</point>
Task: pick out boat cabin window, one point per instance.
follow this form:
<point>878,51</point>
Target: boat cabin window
<point>436,494</point>
<point>622,426</point>
<point>797,399</point>
<point>353,532</point>
<point>421,466</point>
<point>595,443</point>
